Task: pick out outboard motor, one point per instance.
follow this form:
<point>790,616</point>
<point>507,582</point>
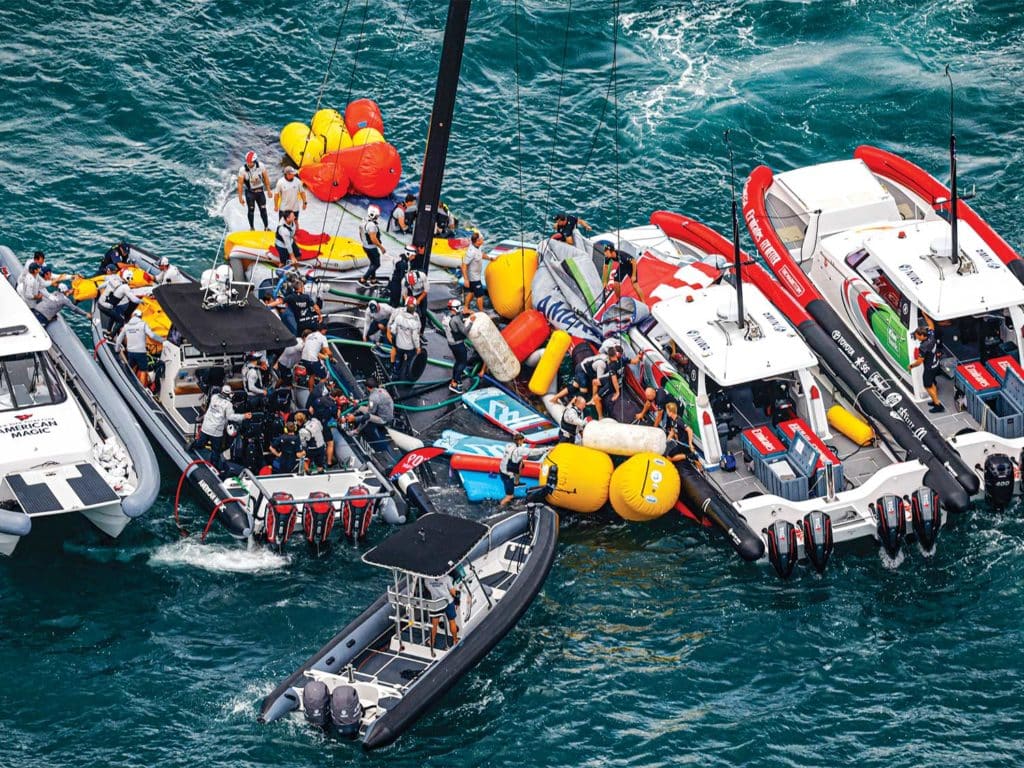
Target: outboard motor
<point>346,711</point>
<point>782,546</point>
<point>926,516</point>
<point>998,475</point>
<point>818,543</point>
<point>317,521</point>
<point>892,523</point>
<point>356,514</point>
<point>281,517</point>
<point>316,703</point>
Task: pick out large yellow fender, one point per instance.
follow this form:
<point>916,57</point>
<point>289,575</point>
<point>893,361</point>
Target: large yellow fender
<point>248,238</point>
<point>547,368</point>
<point>509,278</point>
<point>583,477</point>
<point>88,288</point>
<point>302,145</point>
<point>850,425</point>
<point>323,118</point>
<point>644,487</point>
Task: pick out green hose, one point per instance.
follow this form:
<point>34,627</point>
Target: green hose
<point>386,348</point>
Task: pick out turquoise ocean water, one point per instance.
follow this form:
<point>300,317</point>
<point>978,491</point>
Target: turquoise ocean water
<point>649,646</point>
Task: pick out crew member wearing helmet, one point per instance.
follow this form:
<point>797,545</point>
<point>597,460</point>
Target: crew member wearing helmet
<point>117,255</point>
<point>168,272</point>
<point>288,192</point>
<point>456,329</point>
<point>253,184</point>
<point>369,236</point>
<point>375,321</point>
<point>404,333</point>
<point>219,412</point>
<point>47,309</point>
<point>117,299</point>
<point>132,339</point>
<point>415,287</point>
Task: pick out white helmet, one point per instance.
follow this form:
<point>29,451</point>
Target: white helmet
<point>373,212</point>
<point>164,262</point>
<point>455,305</point>
<point>127,275</point>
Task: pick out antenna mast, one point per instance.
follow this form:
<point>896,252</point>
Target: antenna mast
<point>735,236</point>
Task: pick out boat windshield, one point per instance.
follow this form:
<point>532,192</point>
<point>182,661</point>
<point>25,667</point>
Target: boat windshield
<point>27,381</point>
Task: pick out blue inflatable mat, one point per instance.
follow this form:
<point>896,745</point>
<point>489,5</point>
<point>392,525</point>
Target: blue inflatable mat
<point>487,486</point>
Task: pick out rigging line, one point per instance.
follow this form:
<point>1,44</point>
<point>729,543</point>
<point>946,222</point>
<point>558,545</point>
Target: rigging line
<point>327,73</point>
<point>615,132</point>
<point>593,143</point>
<point>359,47</point>
<point>519,127</point>
<point>558,105</point>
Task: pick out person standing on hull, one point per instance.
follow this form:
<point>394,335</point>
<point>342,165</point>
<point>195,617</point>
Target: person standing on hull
<point>405,337</point>
<point>927,355</point>
<point>403,216</point>
<point>253,184</point>
<point>288,251</point>
<point>369,236</point>
<point>570,426</point>
<point>416,287</point>
<point>311,435</point>
<point>256,391</point>
<point>444,595</point>
<point>398,273</point>
<point>565,227</point>
<point>315,350</point>
<point>288,192</point>
<point>472,272</point>
<point>511,466</point>
<point>456,329</point>
<point>132,338</point>
<point>117,299</point>
<point>324,408</point>
<point>219,412</point>
<point>375,322</point>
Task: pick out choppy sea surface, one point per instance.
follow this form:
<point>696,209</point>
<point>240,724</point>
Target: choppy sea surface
<point>649,645</point>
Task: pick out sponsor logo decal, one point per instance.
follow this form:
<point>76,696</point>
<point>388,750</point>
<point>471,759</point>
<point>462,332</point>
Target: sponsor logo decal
<point>26,426</point>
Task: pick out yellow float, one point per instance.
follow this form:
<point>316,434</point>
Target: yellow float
<point>302,145</point>
<point>851,425</point>
<point>644,487</point>
<point>509,278</point>
<point>323,118</point>
<point>367,136</point>
<point>583,475</point>
<point>336,137</point>
<point>88,288</point>
<point>554,353</point>
<point>337,253</point>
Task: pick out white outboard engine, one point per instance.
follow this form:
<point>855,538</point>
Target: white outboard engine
<point>890,511</point>
<point>926,517</point>
<point>998,480</point>
<point>315,703</point>
<point>782,547</point>
<point>818,542</point>
<point>346,711</point>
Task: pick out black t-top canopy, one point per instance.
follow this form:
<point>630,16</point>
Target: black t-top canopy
<point>226,330</point>
<point>432,546</point>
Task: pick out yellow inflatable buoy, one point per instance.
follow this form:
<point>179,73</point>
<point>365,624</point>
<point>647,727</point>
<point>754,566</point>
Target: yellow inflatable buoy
<point>644,487</point>
<point>552,358</point>
<point>323,118</point>
<point>367,136</point>
<point>509,278</point>
<point>155,316</point>
<point>583,477</point>
<point>336,137</point>
<point>851,425</point>
<point>302,145</point>
<point>86,288</point>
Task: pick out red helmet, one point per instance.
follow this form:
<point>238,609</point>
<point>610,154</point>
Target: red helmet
<point>250,157</point>
<point>411,278</point>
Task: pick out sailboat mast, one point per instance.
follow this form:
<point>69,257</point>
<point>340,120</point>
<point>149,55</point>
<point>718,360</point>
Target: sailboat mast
<point>953,218</point>
<point>440,129</point>
<point>735,237</point>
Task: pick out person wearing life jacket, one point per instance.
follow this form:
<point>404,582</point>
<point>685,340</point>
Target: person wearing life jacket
<point>168,273</point>
<point>403,216</point>
<point>117,255</point>
<point>325,408</point>
<point>219,412</point>
<point>653,410</point>
<point>511,466</point>
<point>132,339</point>
<point>415,287</point>
<point>596,377</point>
<point>445,223</point>
<point>570,426</point>
<point>472,272</point>
<point>678,449</point>
<point>375,321</point>
<point>405,337</point>
<point>307,314</point>
<point>311,287</point>
<point>287,193</point>
<point>456,329</point>
<point>286,449</point>
<point>927,355</point>
<point>288,251</point>
<point>369,238</point>
<point>117,299</point>
<point>253,184</point>
<point>48,307</point>
<point>253,383</point>
<point>399,271</point>
<point>311,435</point>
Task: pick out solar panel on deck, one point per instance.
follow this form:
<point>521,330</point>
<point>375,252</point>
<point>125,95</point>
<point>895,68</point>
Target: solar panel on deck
<point>431,546</point>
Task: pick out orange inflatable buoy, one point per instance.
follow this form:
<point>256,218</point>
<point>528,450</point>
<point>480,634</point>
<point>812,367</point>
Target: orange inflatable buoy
<point>363,113</point>
<point>328,181</point>
<point>526,333</point>
<point>373,170</point>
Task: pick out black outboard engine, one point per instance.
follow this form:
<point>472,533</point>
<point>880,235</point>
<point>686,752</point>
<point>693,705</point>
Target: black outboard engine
<point>316,703</point>
<point>317,521</point>
<point>892,523</point>
<point>281,517</point>
<point>782,546</point>
<point>818,543</point>
<point>926,516</point>
<point>346,711</point>
<point>998,475</point>
<point>357,513</point>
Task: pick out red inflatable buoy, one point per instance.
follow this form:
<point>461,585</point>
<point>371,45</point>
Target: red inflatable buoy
<point>526,333</point>
<point>374,170</point>
<point>363,113</point>
<point>328,181</point>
